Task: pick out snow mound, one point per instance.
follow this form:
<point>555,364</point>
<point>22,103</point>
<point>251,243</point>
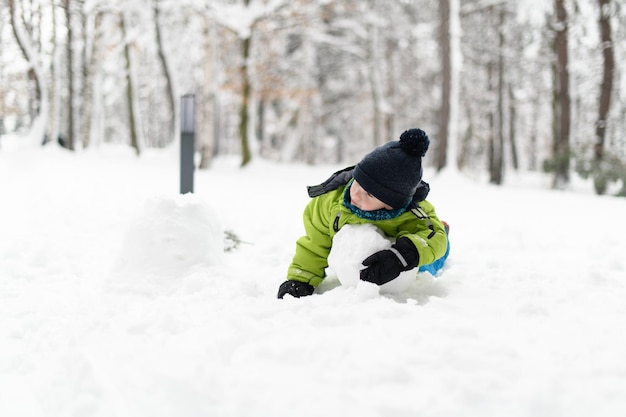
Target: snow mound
<point>170,239</point>
<point>351,245</point>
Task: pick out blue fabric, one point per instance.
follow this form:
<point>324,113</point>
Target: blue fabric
<point>437,265</point>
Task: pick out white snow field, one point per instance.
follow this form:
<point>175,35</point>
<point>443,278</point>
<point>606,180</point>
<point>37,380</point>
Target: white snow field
<point>117,298</point>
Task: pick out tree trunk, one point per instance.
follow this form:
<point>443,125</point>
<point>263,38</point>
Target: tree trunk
<point>20,39</point>
<point>390,88</point>
<point>39,125</point>
<point>464,158</point>
<point>446,74</point>
<point>374,80</point>
<point>533,163</point>
<point>245,99</point>
<point>85,100</point>
<point>70,140</point>
<point>32,27</point>
<point>2,94</point>
<point>89,74</point>
<point>55,97</point>
<point>494,88</point>
<point>171,98</point>
<point>512,129</point>
<point>498,157</point>
<point>456,62</point>
<point>309,121</point>
<point>208,116</point>
<point>130,96</point>
<point>493,151</point>
<point>561,148</point>
<point>605,90</point>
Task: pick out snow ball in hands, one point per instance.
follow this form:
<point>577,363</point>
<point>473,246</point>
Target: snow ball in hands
<point>351,245</point>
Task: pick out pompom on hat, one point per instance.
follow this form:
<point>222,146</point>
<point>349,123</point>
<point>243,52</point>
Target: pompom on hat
<point>392,172</point>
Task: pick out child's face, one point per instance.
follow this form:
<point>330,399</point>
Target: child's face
<point>364,200</point>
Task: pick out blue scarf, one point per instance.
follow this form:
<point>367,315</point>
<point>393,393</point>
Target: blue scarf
<point>373,215</point>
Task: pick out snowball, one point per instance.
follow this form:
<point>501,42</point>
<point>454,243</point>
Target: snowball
<point>351,245</point>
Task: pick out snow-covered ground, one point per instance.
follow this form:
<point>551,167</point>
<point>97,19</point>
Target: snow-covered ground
<point>116,299</point>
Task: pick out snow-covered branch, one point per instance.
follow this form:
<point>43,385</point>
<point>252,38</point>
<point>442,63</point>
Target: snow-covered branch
<point>241,18</point>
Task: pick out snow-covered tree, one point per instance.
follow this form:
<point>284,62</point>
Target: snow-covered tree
<point>320,81</point>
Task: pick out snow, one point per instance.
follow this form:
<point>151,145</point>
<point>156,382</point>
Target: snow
<point>533,12</point>
<point>351,245</point>
<point>241,18</point>
<point>116,298</point>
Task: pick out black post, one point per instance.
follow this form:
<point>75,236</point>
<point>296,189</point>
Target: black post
<point>187,142</point>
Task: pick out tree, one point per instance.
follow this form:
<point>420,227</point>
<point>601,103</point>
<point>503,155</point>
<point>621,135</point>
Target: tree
<point>70,76</point>
<point>39,121</point>
<point>209,101</point>
<point>561,104</point>
<point>133,122</point>
<point>496,115</point>
<point>446,80</point>
<point>167,73</point>
<point>449,44</point>
<point>53,128</point>
<point>91,56</point>
<point>246,88</point>
<point>241,19</point>
<point>512,128</point>
<point>313,80</point>
<point>606,88</point>
<point>2,99</point>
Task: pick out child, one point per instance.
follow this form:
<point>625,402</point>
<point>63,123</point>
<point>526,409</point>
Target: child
<point>385,189</point>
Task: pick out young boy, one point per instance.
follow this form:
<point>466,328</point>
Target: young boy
<point>385,189</point>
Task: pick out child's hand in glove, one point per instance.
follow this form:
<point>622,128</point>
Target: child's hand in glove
<point>295,288</point>
<point>385,265</point>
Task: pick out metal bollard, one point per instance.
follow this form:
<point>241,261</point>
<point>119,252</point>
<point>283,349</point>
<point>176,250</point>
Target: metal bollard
<point>187,142</point>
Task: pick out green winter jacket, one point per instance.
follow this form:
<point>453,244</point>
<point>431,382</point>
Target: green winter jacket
<point>326,214</point>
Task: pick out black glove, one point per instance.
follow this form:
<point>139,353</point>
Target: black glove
<point>295,288</point>
<point>385,265</point>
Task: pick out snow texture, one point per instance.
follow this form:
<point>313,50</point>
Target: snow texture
<point>354,243</point>
<point>117,300</point>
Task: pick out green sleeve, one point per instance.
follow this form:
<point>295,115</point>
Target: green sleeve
<point>431,243</point>
<point>312,249</point>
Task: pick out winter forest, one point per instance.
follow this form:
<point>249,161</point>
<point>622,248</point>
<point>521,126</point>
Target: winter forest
<point>499,85</point>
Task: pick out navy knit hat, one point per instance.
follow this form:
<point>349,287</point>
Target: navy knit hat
<point>392,172</point>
